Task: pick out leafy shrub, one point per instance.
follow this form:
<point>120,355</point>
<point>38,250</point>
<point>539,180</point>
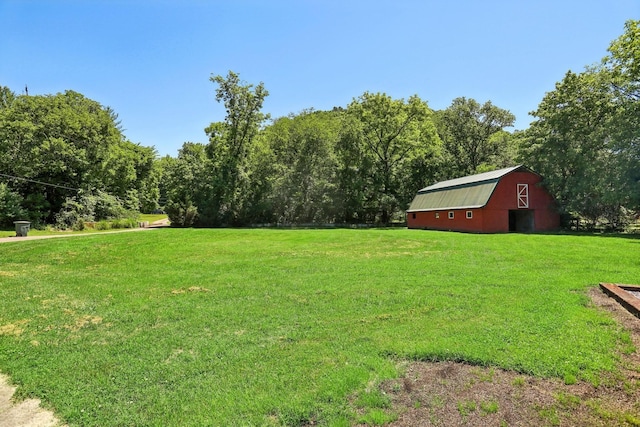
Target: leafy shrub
<point>89,207</point>
<point>10,206</point>
<point>130,223</point>
<point>79,225</point>
<point>108,206</point>
<point>182,214</point>
<point>131,201</point>
<point>124,223</point>
<point>103,225</point>
<point>73,214</point>
<point>116,223</point>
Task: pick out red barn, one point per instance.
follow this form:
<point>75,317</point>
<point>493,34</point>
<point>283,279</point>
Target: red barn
<point>499,201</point>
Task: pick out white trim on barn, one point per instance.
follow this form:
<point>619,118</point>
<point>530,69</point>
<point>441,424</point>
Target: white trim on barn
<point>523,196</point>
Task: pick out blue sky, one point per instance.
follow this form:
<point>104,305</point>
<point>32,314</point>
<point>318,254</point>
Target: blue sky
<point>151,60</point>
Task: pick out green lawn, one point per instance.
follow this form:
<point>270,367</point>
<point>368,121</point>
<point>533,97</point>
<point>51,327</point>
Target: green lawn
<point>179,327</point>
<point>152,217</point>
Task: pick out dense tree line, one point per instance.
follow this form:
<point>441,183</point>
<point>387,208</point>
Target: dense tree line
<point>65,158</point>
<point>364,163</point>
<point>359,164</point>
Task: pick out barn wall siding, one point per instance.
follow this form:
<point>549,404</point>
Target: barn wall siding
<point>505,195</point>
<point>458,223</point>
<point>496,221</point>
<point>505,198</point>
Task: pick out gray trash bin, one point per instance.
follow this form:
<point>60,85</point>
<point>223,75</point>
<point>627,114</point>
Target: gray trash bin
<point>22,228</point>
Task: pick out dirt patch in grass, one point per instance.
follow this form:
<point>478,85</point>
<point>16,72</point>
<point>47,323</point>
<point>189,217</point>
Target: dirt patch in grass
<point>15,329</point>
<point>26,413</point>
<point>456,394</point>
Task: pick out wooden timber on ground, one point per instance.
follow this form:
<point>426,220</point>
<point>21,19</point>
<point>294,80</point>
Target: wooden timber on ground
<point>620,293</point>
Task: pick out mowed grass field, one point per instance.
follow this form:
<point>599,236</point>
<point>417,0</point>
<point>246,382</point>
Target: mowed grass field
<point>179,327</point>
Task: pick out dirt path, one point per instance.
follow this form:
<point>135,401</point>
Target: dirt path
<point>26,413</point>
<point>157,224</point>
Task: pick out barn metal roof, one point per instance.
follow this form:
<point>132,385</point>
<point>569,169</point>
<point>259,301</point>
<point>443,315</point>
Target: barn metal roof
<point>467,192</point>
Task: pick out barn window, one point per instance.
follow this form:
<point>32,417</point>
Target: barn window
<point>523,196</point>
<point>451,215</point>
<point>413,215</point>
<point>437,215</point>
<point>469,214</point>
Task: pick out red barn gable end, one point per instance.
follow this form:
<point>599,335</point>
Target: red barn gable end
<point>501,201</point>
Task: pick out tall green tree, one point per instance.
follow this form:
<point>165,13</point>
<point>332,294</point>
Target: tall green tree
<point>7,96</point>
<point>623,65</point>
<point>389,135</point>
<point>130,174</point>
<point>230,143</point>
<point>185,183</point>
<point>10,206</point>
<point>66,148</point>
<point>62,140</point>
<point>569,144</point>
<point>304,166</point>
<point>623,61</point>
<point>355,191</point>
<point>466,128</point>
<point>259,201</point>
<point>585,139</point>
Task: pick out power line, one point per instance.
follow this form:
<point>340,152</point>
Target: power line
<point>40,182</point>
